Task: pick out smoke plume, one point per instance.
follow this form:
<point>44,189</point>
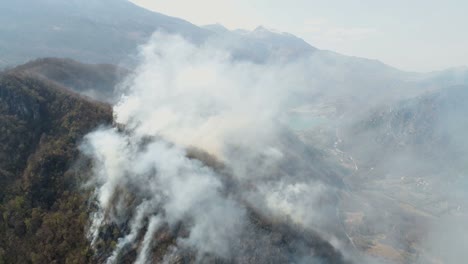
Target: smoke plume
<point>200,152</point>
<point>209,161</point>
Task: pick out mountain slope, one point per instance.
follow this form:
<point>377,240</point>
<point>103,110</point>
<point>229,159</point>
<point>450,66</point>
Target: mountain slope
<point>42,210</point>
<point>430,126</point>
<point>261,44</point>
<point>88,30</point>
<point>97,81</point>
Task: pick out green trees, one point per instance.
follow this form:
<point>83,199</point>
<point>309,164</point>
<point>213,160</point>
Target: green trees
<point>42,208</point>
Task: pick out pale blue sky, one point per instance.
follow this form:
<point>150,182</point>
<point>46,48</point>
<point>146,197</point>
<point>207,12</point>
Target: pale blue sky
<point>414,35</point>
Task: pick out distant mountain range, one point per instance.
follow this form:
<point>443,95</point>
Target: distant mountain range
<point>91,31</point>
<point>109,31</point>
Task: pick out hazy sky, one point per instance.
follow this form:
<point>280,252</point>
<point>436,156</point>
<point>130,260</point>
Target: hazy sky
<point>416,35</point>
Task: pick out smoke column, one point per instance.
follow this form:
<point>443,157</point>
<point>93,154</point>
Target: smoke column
<point>187,101</point>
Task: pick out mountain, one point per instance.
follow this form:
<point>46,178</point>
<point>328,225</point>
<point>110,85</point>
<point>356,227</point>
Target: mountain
<point>409,160</point>
<point>381,153</point>
<point>261,44</point>
<point>92,31</point>
<point>110,31</point>
<point>430,125</point>
<point>449,77</point>
<point>42,209</point>
<point>98,81</point>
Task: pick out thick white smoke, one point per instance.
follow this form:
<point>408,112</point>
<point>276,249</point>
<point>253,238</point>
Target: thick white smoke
<point>198,96</point>
<point>172,187</point>
<point>184,96</point>
<point>153,173</point>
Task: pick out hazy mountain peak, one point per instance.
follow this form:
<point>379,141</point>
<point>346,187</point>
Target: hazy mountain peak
<point>216,27</point>
<point>265,30</point>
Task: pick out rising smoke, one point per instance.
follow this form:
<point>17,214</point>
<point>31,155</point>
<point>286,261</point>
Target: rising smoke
<point>202,166</point>
<point>185,109</point>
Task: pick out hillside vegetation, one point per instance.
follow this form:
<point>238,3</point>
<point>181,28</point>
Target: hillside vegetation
<point>42,208</point>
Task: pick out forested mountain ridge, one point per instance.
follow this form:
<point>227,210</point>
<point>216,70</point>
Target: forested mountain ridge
<point>42,209</point>
<point>98,81</point>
